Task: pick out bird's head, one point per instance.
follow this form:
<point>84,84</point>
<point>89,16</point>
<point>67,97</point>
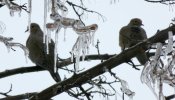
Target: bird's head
<point>136,22</point>
<point>34,28</point>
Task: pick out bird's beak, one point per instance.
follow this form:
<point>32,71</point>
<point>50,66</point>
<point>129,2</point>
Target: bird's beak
<point>27,29</point>
<point>142,25</point>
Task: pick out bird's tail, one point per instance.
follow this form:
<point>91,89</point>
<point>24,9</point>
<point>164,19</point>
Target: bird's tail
<point>55,76</point>
<point>142,58</point>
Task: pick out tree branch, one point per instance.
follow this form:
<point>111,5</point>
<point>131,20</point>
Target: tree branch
<point>63,63</point>
<point>19,97</point>
<point>112,62</point>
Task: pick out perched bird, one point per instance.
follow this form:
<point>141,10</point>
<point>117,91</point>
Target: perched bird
<point>132,34</point>
<point>37,51</point>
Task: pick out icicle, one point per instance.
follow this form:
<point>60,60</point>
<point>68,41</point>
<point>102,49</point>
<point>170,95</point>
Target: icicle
<point>55,51</point>
<point>29,14</point>
<point>81,47</point>
<point>45,21</point>
<point>65,34</point>
<point>2,27</point>
<point>169,47</point>
<point>47,40</point>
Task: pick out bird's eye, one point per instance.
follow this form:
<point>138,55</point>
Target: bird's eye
<point>32,26</point>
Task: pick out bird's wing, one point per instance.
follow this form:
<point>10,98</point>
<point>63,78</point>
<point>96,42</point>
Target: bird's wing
<point>124,37</point>
<point>144,33</point>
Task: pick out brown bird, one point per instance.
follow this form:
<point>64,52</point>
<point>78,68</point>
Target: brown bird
<point>132,34</point>
<point>37,51</point>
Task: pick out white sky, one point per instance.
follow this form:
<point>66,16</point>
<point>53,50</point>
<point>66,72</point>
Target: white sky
<point>154,16</point>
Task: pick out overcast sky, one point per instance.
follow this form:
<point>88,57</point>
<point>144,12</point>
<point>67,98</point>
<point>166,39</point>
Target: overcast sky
<point>154,16</point>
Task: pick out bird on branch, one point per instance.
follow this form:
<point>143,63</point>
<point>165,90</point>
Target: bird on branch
<point>37,51</point>
<point>132,34</point>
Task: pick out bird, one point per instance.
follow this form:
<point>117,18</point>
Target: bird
<point>37,51</point>
<point>132,34</point>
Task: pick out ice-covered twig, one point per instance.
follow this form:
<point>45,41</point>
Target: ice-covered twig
<point>13,7</point>
<point>124,86</point>
<point>125,89</point>
<point>158,71</point>
<point>62,7</point>
<point>9,44</point>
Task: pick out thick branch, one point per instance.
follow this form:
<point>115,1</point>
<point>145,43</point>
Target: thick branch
<point>19,97</point>
<point>99,69</point>
<point>63,63</point>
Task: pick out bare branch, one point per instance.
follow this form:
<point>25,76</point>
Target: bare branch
<point>62,63</point>
<point>20,97</point>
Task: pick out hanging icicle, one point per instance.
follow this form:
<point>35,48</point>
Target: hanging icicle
<point>53,27</point>
<point>45,21</point>
<point>169,47</point>
<point>81,47</point>
<point>2,27</point>
<point>29,13</point>
<point>56,51</point>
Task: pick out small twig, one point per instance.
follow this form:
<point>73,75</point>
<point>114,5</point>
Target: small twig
<point>84,9</point>
<point>133,65</point>
<point>85,93</point>
<point>6,93</point>
<point>98,50</point>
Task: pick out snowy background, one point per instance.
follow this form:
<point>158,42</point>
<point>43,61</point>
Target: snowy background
<point>154,17</point>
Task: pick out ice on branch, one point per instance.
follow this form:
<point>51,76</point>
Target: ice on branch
<point>9,44</point>
<point>85,38</point>
<point>159,71</point>
<point>62,7</point>
<point>125,89</point>
<point>13,7</point>
<point>85,33</point>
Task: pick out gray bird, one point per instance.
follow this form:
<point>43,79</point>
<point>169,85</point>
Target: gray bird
<point>37,51</point>
<point>132,34</point>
